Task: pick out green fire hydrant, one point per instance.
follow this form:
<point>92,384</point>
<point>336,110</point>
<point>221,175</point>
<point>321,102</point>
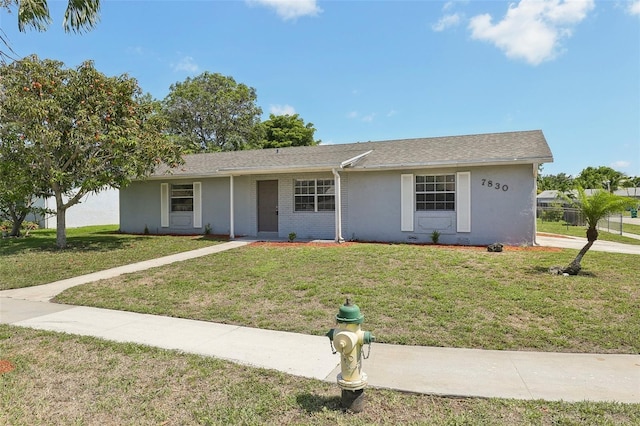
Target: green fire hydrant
<point>348,339</point>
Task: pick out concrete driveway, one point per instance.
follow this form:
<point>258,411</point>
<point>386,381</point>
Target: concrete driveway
<point>563,241</point>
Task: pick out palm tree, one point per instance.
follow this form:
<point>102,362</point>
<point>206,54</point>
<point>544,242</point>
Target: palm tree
<point>79,16</point>
<point>594,208</point>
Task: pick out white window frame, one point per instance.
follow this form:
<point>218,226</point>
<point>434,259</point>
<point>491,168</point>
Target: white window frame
<point>180,191</point>
<point>311,192</point>
<point>435,185</point>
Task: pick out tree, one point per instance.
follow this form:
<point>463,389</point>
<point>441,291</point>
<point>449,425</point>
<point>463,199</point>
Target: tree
<point>18,191</point>
<point>211,112</point>
<point>594,208</point>
<point>560,182</point>
<point>600,177</point>
<point>281,131</point>
<point>79,16</point>
<point>79,130</point>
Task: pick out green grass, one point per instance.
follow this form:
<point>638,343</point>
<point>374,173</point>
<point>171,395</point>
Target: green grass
<point>580,231</point>
<point>36,260</point>
<point>410,294</point>
<point>64,379</point>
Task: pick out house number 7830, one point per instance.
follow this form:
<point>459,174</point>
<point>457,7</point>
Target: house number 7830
<point>496,185</point>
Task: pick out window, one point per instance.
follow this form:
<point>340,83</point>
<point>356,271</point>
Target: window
<point>315,195</point>
<point>436,192</point>
<point>182,197</point>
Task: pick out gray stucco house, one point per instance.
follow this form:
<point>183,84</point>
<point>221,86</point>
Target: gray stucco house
<point>475,189</point>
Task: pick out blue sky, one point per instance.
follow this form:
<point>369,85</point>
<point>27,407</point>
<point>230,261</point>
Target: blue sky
<point>378,70</point>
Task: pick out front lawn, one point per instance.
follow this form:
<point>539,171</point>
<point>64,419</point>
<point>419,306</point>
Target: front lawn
<point>36,260</point>
<point>410,294</point>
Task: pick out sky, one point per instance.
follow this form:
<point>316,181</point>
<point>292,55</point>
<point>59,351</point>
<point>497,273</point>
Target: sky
<point>371,70</point>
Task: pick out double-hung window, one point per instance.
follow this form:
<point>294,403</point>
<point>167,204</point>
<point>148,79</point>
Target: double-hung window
<point>435,192</point>
<point>182,197</point>
<point>314,195</point>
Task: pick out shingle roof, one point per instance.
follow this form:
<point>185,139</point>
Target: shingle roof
<point>492,148</point>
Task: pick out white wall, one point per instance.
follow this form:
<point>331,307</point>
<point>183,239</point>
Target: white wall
<point>102,208</point>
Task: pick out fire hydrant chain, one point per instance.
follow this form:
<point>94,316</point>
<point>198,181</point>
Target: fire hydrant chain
<point>368,352</point>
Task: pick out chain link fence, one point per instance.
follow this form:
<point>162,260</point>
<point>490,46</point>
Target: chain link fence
<point>611,223</point>
<point>559,213</point>
<point>573,217</point>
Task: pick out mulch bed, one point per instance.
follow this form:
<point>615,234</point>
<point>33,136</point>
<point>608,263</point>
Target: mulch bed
<point>285,244</point>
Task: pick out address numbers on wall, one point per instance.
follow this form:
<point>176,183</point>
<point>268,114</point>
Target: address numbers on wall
<point>495,185</point>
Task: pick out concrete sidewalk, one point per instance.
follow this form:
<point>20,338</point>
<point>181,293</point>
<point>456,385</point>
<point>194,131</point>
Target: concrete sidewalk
<point>440,371</point>
<point>564,241</point>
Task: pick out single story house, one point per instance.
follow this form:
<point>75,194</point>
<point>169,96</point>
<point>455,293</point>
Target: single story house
<point>472,190</point>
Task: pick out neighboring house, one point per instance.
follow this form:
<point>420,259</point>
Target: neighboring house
<point>93,209</point>
<point>551,196</point>
<point>476,189</point>
<point>551,199</point>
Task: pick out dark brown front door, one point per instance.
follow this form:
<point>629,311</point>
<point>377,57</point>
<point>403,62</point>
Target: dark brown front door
<point>267,206</point>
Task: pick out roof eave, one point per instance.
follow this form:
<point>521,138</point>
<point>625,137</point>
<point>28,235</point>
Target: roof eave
<point>440,164</point>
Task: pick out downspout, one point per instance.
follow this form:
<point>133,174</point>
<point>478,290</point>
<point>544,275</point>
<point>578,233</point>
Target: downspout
<point>338,190</point>
<point>535,204</point>
<point>232,234</point>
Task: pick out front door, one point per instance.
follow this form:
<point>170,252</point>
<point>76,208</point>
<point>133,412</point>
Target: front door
<point>267,206</point>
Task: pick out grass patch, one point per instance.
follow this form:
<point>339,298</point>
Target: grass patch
<point>63,379</point>
<point>36,260</point>
<point>581,231</point>
<point>410,294</point>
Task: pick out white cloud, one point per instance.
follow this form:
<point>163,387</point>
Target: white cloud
<point>634,7</point>
<point>392,113</point>
<point>447,21</point>
<point>532,30</point>
<point>369,118</point>
<point>282,109</point>
<point>355,115</point>
<point>290,9</point>
<point>135,50</point>
<point>622,164</point>
<point>186,64</point>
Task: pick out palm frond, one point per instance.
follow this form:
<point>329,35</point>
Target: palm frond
<point>81,15</point>
<point>34,14</point>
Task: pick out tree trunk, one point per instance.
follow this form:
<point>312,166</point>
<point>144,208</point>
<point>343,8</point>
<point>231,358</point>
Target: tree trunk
<point>574,267</point>
<point>61,228</point>
<point>16,221</point>
<point>61,223</point>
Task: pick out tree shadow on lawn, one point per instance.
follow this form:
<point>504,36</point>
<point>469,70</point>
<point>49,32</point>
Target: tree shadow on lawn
<point>544,270</point>
<point>105,242</point>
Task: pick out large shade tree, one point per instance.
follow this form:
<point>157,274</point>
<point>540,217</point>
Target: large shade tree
<point>281,131</point>
<point>600,177</point>
<point>79,130</point>
<point>560,182</point>
<point>212,112</point>
<point>593,208</point>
